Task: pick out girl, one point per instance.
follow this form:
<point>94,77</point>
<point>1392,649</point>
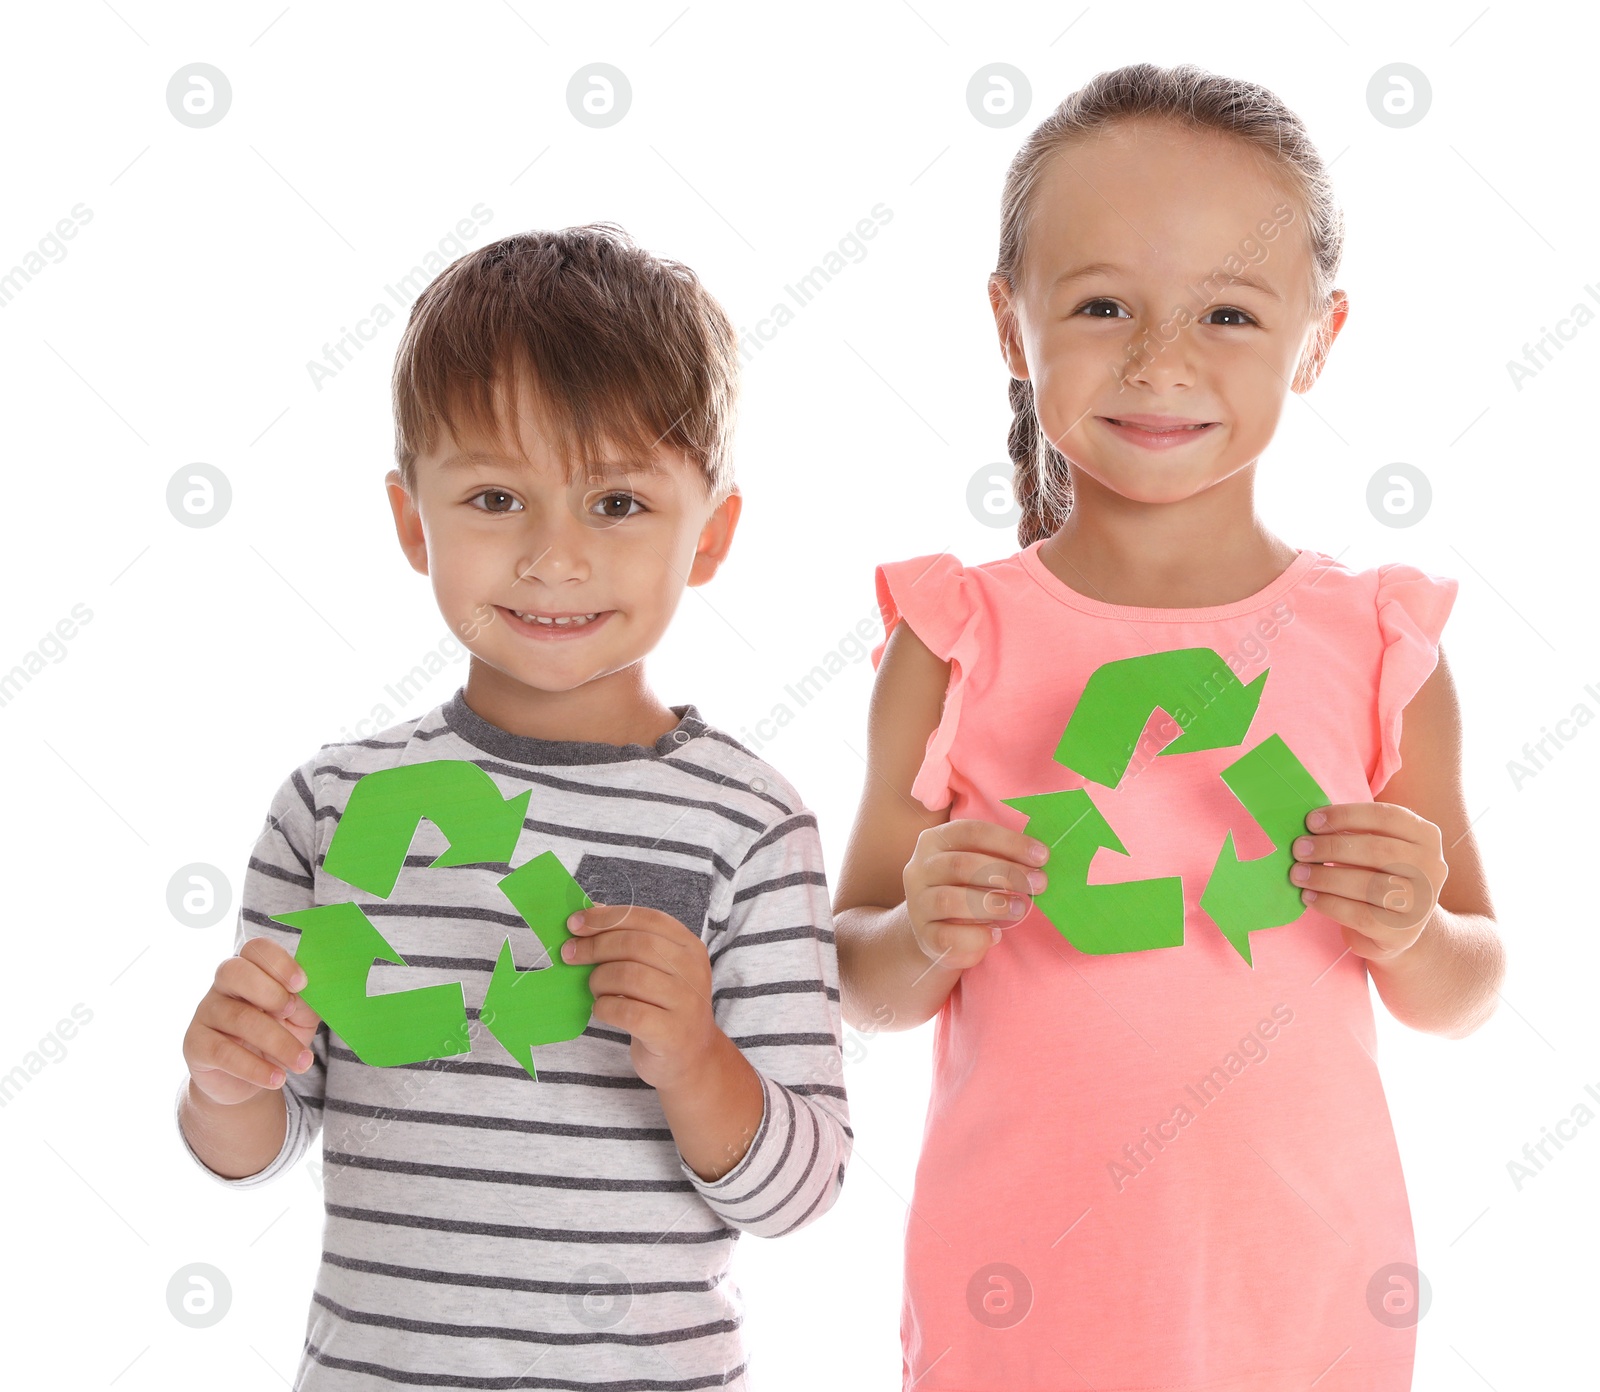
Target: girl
<point>1161,1157</point>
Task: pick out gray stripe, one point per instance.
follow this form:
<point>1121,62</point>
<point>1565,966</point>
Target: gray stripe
<point>588,1183</point>
<point>469,1280</point>
<point>528,1336</point>
<point>527,1234</point>
<point>525,1380</point>
<point>503,1123</point>
<point>776,935</point>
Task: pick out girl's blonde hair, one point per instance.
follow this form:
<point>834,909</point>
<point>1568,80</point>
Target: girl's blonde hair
<point>1197,100</point>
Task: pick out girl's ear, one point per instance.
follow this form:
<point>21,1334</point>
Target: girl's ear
<point>1005,322</point>
<point>1315,358</point>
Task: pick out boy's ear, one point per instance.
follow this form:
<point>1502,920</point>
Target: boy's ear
<point>716,537</point>
<point>1005,322</point>
<point>407,522</point>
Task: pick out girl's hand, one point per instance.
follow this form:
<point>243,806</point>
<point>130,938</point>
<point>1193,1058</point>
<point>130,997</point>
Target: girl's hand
<point>1388,868</point>
<point>966,881</point>
<point>653,979</point>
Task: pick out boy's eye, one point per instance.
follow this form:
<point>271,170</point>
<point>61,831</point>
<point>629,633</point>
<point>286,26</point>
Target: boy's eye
<point>1228,309</point>
<point>493,493</point>
<point>608,506</point>
<point>1097,305</point>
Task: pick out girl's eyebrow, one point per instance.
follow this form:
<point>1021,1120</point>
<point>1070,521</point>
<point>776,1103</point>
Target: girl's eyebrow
<point>1094,268</point>
<point>1250,283</point>
<point>1105,268</point>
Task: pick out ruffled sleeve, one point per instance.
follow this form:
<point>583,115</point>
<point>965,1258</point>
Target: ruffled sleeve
<point>933,595</point>
<point>1412,607</point>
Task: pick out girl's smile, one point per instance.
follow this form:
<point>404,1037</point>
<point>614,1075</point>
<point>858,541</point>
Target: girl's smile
<point>1151,432</point>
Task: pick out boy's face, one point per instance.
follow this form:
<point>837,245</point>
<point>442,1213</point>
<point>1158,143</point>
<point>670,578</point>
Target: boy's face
<point>1160,221</point>
<point>507,541</point>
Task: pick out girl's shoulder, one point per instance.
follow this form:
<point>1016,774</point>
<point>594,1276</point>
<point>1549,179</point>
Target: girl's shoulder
<point>945,601</point>
<point>1403,599</point>
<point>941,599</point>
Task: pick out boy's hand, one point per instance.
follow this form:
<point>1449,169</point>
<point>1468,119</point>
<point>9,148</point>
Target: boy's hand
<point>1388,868</point>
<point>652,979</point>
<point>250,1027</point>
<point>966,881</point>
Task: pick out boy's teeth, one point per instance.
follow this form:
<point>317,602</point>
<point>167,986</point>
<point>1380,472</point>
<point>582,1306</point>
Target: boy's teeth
<point>561,623</point>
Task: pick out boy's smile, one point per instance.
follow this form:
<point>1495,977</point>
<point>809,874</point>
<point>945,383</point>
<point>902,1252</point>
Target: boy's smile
<point>557,583</point>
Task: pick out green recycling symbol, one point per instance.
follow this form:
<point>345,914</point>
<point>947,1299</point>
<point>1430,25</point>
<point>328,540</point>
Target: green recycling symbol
<point>1241,896</point>
<point>338,942</point>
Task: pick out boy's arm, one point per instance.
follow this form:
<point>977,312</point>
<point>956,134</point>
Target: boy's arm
<point>254,1141</point>
<point>775,995</point>
<point>1446,980</point>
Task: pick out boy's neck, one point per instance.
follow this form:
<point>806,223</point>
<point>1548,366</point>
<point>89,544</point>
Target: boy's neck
<point>618,708</point>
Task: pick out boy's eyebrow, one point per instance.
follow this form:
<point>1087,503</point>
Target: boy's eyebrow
<point>1106,268</point>
<point>470,460</point>
<point>478,459</point>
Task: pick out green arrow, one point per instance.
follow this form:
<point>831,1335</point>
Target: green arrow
<point>1120,696</point>
<point>370,842</point>
<point>525,1008</point>
<point>1128,917</point>
<point>337,948</point>
<point>1243,897</point>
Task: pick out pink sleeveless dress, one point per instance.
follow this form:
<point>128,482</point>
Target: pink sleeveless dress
<point>1168,1168</point>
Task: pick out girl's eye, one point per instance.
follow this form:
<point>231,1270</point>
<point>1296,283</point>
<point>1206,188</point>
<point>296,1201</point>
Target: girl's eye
<point>1228,309</point>
<point>606,507</point>
<point>1111,304</point>
<point>493,493</point>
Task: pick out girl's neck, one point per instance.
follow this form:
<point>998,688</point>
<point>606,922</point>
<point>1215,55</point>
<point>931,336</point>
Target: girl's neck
<point>1171,557</point>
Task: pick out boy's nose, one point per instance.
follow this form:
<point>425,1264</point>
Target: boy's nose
<point>552,559</point>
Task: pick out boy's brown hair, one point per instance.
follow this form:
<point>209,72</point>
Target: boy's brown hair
<point>621,348</point>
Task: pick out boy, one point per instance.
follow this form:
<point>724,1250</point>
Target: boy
<point>564,405</point>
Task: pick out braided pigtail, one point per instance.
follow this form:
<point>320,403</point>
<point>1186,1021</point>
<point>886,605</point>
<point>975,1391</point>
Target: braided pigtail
<point>1040,480</point>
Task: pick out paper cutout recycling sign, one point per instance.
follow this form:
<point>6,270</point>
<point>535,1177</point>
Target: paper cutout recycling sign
<point>1241,896</point>
<point>338,942</point>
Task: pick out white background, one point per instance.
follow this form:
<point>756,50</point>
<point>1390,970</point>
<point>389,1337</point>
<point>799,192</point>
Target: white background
<point>218,261</point>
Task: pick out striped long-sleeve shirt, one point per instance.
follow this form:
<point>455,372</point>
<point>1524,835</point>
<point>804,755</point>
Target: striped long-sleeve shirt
<point>484,1229</point>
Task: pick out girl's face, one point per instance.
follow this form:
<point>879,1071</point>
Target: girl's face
<point>1166,274</point>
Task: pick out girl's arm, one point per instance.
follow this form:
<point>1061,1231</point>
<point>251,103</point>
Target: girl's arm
<point>1444,976</point>
<point>880,962</point>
